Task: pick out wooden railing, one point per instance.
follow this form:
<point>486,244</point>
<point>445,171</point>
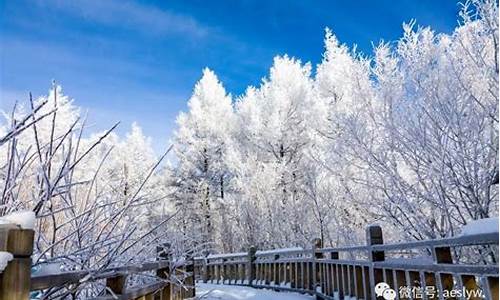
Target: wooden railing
<point>174,280</point>
<point>424,269</point>
<point>431,268</point>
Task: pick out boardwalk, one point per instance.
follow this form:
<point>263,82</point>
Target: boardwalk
<point>355,272</point>
<point>364,271</point>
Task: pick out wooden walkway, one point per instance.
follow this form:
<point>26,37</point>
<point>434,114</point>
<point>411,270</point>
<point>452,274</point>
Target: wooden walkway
<point>424,269</point>
<point>436,268</point>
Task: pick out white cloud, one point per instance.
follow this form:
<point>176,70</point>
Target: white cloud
<point>135,16</point>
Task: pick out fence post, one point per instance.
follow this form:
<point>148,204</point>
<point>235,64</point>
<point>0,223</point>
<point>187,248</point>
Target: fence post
<point>190,280</point>
<point>15,280</point>
<point>374,236</point>
<point>276,270</point>
<point>205,269</point>
<point>250,265</point>
<point>335,276</point>
<point>317,243</point>
<point>224,270</point>
<point>164,255</point>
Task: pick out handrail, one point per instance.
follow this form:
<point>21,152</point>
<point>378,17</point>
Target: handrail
<point>344,249</point>
<point>469,240</point>
<point>475,239</point>
<point>281,252</point>
<point>328,275</point>
<point>16,280</point>
<point>45,281</point>
<point>136,293</point>
<point>224,256</point>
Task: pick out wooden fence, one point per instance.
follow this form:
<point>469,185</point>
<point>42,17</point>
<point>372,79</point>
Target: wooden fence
<point>175,280</point>
<point>432,269</point>
<point>422,270</point>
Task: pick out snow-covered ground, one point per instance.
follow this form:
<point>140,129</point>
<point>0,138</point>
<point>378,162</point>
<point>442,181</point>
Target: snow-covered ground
<point>231,292</point>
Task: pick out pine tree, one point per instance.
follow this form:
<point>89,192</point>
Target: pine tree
<point>202,144</point>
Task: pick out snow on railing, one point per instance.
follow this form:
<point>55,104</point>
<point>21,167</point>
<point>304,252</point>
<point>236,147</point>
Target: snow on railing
<point>333,273</point>
<point>23,219</point>
<point>283,251</point>
<point>228,255</point>
<point>481,226</point>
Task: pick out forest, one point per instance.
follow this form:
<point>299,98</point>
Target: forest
<point>405,137</point>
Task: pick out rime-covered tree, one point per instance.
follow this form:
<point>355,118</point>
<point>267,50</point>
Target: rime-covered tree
<point>92,211</point>
<point>344,91</point>
<point>274,120</point>
<point>203,146</point>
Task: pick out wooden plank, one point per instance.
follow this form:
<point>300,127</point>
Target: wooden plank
<point>15,280</point>
<point>493,284</point>
<point>400,281</point>
<point>135,293</point>
<point>359,282</point>
<point>17,241</point>
<point>46,281</point>
<point>470,284</point>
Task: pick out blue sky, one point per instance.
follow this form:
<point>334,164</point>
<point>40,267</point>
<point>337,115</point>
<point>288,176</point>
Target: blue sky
<point>138,61</point>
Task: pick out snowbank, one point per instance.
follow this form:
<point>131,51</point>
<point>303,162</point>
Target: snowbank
<point>25,219</point>
<point>5,257</point>
<point>488,225</point>
<point>225,292</point>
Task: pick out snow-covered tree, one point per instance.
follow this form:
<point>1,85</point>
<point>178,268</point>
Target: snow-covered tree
<point>407,137</point>
<point>438,165</point>
<point>275,132</point>
<point>203,146</point>
<point>96,198</point>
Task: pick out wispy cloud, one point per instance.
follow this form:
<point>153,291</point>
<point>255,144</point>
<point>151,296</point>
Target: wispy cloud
<point>134,16</point>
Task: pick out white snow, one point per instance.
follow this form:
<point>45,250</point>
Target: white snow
<point>225,292</point>
<point>279,251</point>
<point>25,219</point>
<point>488,225</point>
<point>5,257</point>
<point>410,261</point>
<point>228,255</point>
<point>50,268</point>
